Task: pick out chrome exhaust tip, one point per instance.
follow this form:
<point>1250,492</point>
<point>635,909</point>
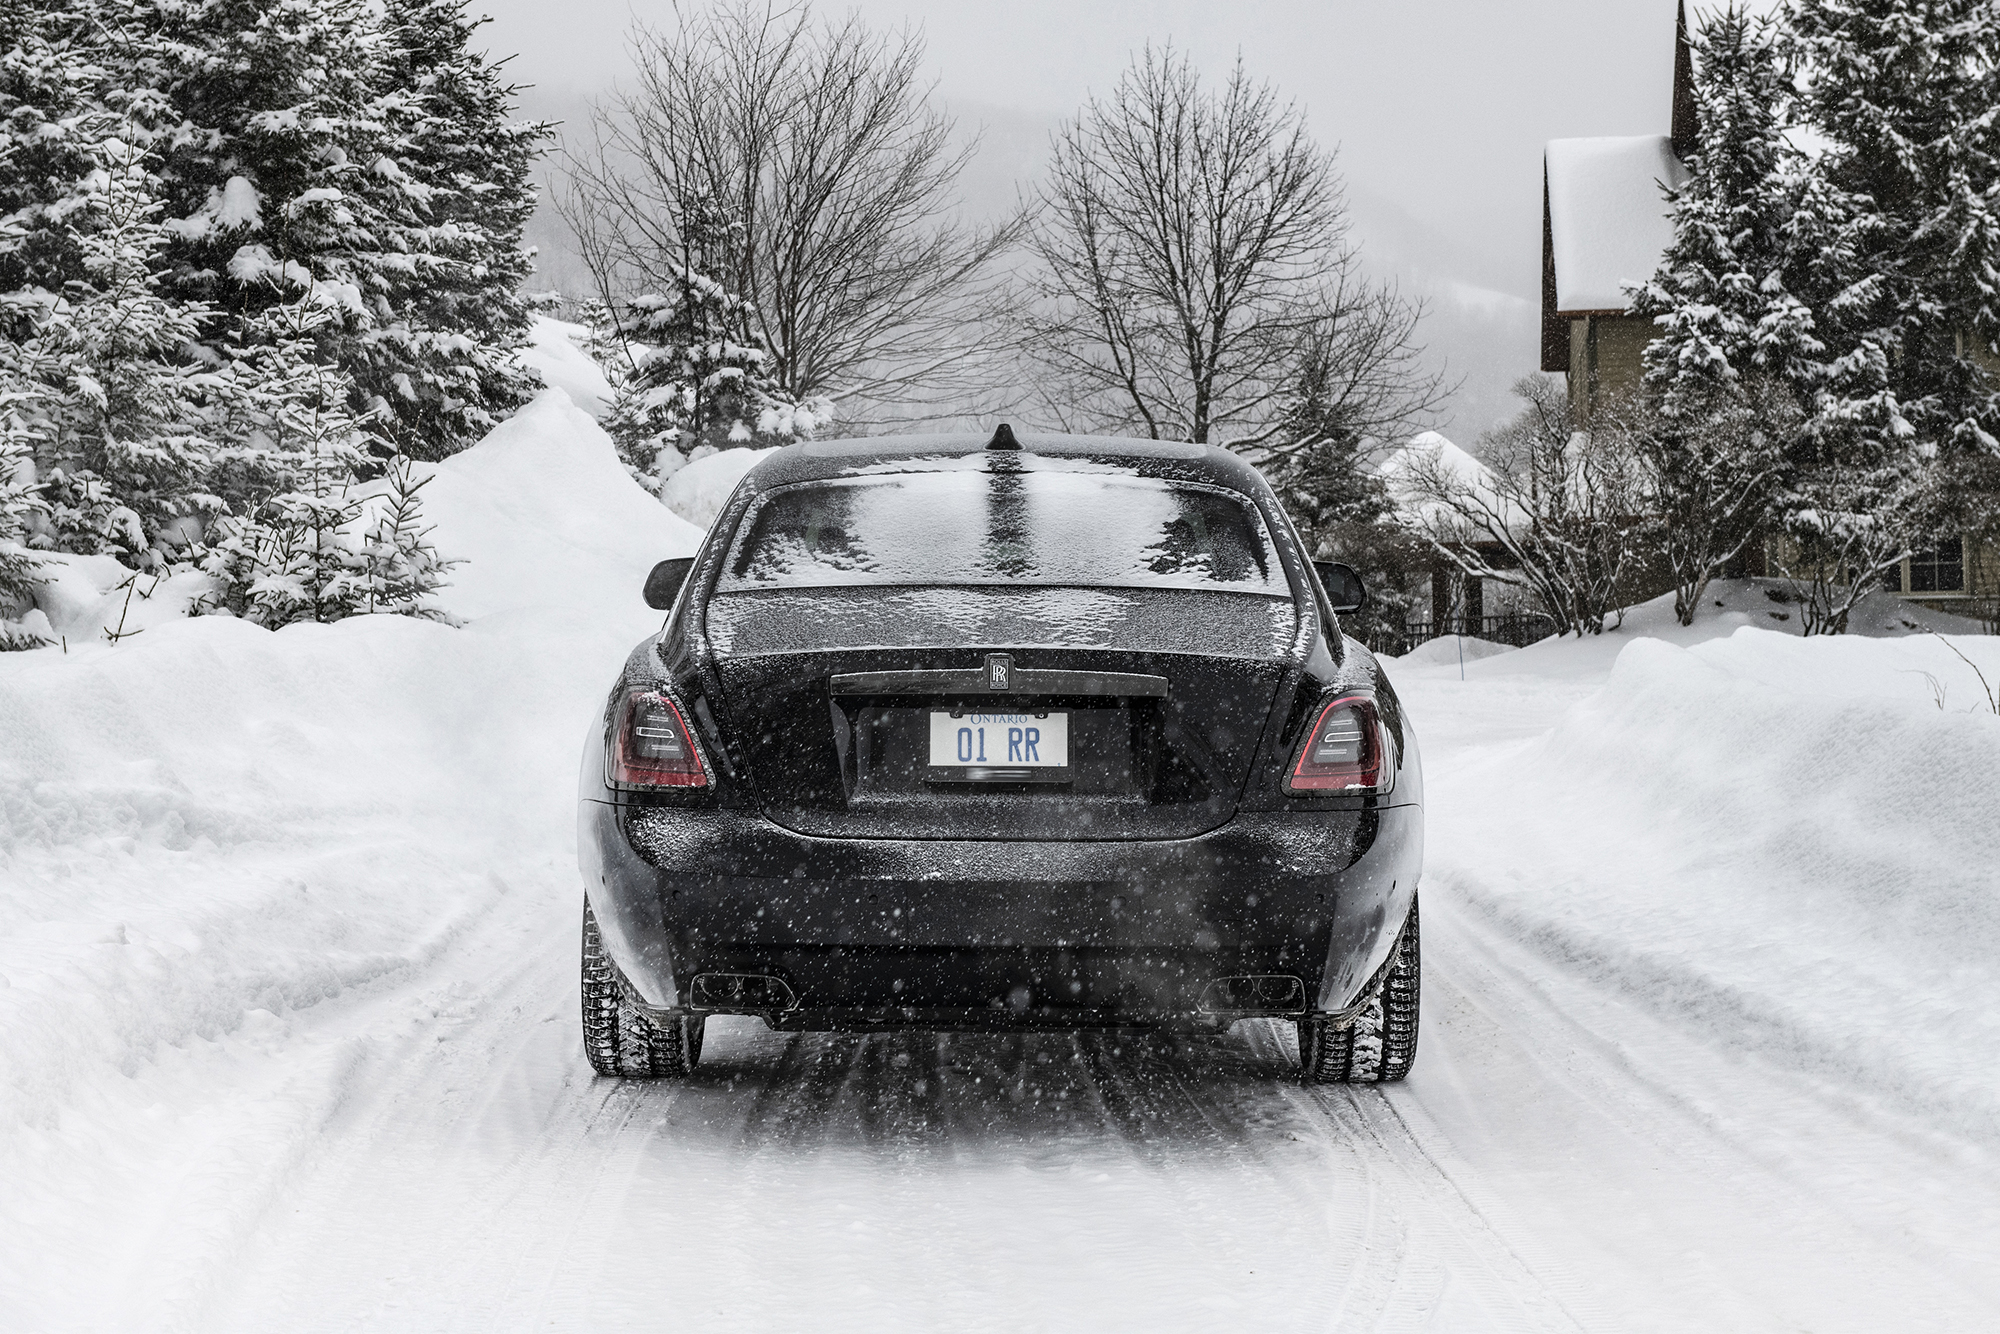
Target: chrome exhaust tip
<point>748,993</point>
<point>1265,993</point>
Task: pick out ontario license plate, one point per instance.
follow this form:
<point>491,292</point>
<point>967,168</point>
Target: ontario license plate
<point>1000,747</point>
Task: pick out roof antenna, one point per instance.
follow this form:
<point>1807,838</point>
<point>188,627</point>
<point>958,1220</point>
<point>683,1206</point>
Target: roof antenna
<point>1003,438</point>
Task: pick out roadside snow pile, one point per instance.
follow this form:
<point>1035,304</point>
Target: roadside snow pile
<point>1449,650</point>
<point>1773,604</point>
<point>702,486</point>
<point>537,504</point>
<point>1790,843</point>
<point>212,819</point>
<point>555,350</point>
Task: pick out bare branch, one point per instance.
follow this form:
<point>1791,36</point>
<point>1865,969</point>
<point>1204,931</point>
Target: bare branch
<point>819,144</point>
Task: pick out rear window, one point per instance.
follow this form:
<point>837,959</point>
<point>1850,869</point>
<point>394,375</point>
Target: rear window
<point>1013,528</point>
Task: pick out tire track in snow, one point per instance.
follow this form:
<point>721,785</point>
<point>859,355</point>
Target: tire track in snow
<point>476,1176</point>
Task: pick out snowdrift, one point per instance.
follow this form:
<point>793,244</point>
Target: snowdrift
<point>1787,842</point>
<point>555,352</point>
<point>699,489</point>
<point>210,820</point>
<point>1451,650</point>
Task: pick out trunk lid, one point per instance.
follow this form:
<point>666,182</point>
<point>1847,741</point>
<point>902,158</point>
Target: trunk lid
<point>828,696</point>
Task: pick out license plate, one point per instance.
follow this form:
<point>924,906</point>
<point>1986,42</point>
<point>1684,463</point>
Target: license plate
<point>1000,747</point>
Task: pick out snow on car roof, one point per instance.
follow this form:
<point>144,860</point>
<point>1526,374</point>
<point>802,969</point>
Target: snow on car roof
<point>1608,216</point>
<point>822,460</point>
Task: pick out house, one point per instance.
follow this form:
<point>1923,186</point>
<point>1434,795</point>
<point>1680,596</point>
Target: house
<point>1605,223</point>
<point>1460,603</point>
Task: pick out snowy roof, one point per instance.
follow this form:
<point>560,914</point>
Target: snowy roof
<point>1608,219</point>
<point>1455,464</point>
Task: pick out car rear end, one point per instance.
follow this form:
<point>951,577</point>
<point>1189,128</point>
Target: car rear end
<point>952,739</point>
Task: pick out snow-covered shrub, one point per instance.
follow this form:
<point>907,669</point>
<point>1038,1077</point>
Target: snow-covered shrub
<point>1563,505</point>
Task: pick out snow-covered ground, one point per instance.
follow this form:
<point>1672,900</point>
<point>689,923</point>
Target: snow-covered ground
<point>288,1035</point>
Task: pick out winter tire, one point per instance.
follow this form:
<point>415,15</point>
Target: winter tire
<point>619,1038</point>
<point>1379,1043</point>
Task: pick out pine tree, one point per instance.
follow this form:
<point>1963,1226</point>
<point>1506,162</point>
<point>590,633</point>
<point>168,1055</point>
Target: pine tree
<point>1902,270</point>
<point>700,378</point>
<point>1736,345</point>
<point>317,547</point>
<point>130,454</point>
<point>20,502</point>
<point>1331,487</point>
<point>294,556</point>
<point>403,567</point>
<point>51,113</point>
<point>264,133</point>
<point>443,295</point>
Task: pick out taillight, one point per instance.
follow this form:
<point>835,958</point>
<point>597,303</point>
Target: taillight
<point>1346,751</point>
<point>651,745</point>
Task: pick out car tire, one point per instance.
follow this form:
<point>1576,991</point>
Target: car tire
<point>620,1039</point>
<point>1379,1044</point>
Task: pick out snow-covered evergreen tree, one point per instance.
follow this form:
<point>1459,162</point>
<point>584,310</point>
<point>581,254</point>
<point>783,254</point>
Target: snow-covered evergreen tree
<point>268,135</point>
<point>292,557</point>
<point>20,501</point>
<point>315,548</point>
<point>1721,296</point>
<point>51,114</point>
<point>442,288</point>
<point>1900,262</point>
<point>403,568</point>
<point>700,378</point>
<point>127,455</point>
<point>1736,346</point>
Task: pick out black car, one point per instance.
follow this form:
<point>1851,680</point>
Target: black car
<point>949,733</point>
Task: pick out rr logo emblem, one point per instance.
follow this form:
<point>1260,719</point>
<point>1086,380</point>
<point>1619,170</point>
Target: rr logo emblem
<point>999,666</point>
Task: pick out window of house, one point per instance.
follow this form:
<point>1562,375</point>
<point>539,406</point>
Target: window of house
<point>1939,570</point>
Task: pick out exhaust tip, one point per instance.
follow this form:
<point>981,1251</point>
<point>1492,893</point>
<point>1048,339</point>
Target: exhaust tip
<point>1266,993</point>
<point>749,993</point>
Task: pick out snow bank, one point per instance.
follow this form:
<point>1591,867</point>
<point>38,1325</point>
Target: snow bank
<point>1450,650</point>
<point>538,502</point>
<point>210,820</point>
<point>555,351</point>
<point>1786,842</point>
<point>699,490</point>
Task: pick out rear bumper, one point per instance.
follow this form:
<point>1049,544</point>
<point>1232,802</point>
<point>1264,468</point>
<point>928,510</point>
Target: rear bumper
<point>879,933</point>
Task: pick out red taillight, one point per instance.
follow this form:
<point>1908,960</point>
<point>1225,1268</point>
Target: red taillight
<point>1344,752</point>
<point>651,745</point>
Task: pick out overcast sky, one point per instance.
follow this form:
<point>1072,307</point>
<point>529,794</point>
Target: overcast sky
<point>1439,109</point>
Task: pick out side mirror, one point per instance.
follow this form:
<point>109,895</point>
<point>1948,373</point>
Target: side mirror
<point>1343,586</point>
<point>663,585</point>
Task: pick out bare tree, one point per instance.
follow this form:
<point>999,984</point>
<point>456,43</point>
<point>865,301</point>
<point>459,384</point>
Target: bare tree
<point>1557,511</point>
<point>801,166</point>
<point>1192,277</point>
<point>1713,459</point>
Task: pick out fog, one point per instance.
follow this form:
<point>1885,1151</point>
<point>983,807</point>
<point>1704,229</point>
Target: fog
<point>1438,110</point>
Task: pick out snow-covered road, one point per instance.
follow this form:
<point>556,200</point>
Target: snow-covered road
<point>288,1033</point>
<point>430,1152</point>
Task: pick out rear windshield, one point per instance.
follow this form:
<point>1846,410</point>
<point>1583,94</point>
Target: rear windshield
<point>1015,528</point>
